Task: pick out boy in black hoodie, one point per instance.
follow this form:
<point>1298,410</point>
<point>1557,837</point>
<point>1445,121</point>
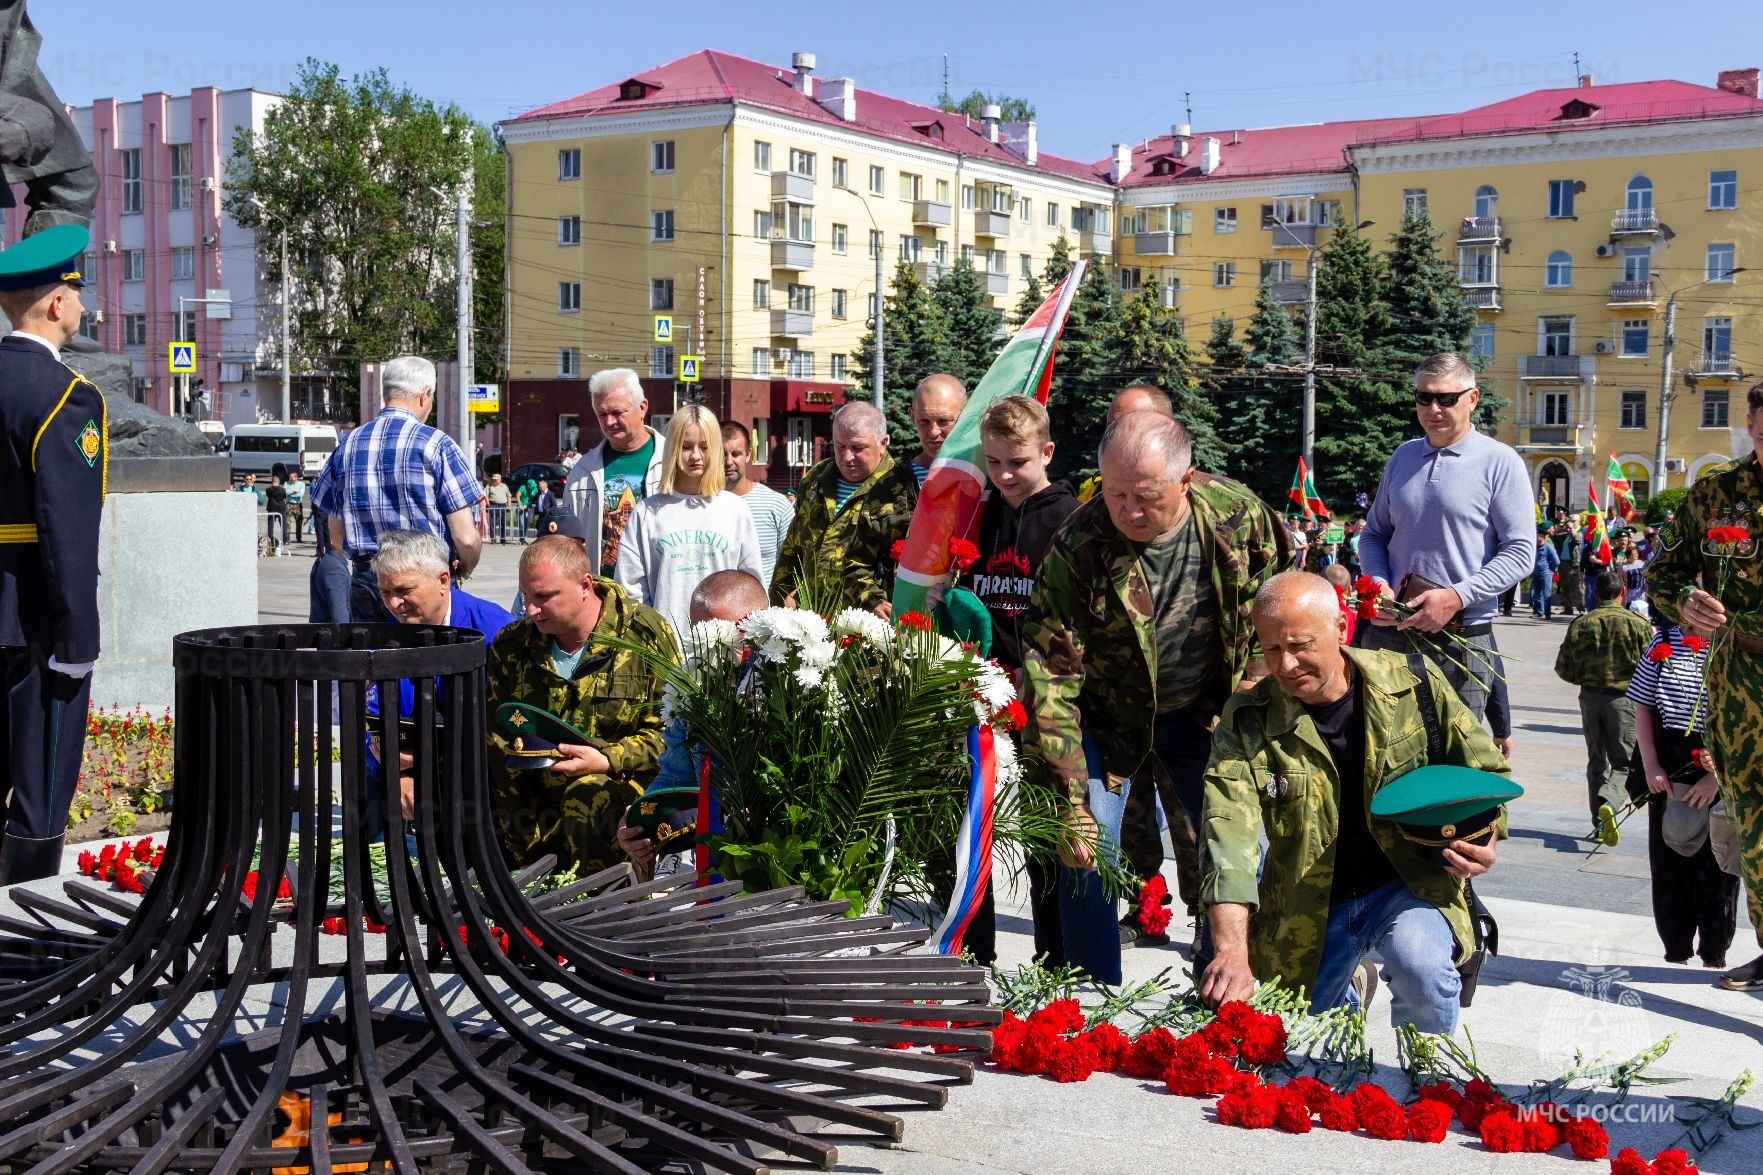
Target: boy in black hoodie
<point>1022,512</point>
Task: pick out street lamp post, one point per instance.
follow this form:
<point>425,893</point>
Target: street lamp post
<point>878,366</point>
<point>1666,393</point>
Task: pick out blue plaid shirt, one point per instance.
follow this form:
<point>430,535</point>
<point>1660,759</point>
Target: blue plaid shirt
<point>393,473</point>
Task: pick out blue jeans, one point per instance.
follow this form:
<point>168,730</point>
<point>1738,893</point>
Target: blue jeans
<point>1413,942</point>
<point>1540,595</point>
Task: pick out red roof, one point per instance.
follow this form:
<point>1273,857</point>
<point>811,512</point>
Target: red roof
<point>712,77</point>
<point>1321,147</point>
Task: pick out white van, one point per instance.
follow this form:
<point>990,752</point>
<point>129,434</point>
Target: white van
<point>259,448</point>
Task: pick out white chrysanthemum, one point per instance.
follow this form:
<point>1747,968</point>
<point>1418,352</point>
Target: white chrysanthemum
<point>710,639</point>
<point>1009,765</point>
<point>810,678</point>
<point>776,648</point>
<point>670,704</point>
<point>818,655</point>
<point>862,623</point>
<point>994,685</point>
<point>799,625</point>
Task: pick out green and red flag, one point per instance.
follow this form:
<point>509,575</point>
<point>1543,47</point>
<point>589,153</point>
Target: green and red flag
<point>949,504</point>
<point>1595,534</point>
<point>1303,495</point>
<point>1620,490</point>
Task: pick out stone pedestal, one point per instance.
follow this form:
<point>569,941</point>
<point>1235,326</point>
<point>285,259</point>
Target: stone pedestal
<point>170,560</point>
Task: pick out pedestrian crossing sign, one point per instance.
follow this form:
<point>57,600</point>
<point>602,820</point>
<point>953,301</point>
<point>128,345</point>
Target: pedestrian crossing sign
<point>664,328</point>
<point>181,358</point>
<point>688,368</point>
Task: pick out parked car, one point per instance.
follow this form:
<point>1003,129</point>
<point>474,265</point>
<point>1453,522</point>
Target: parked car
<point>549,470</point>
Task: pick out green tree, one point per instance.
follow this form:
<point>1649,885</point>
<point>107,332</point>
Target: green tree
<point>917,345</point>
<point>1367,415</point>
<point>1259,412</point>
<point>351,168</point>
<point>1058,261</point>
<point>1014,109</point>
<point>1427,306</point>
<point>971,326</point>
<point>1033,294</point>
<point>1083,382</point>
<point>1149,346</point>
<point>489,234</point>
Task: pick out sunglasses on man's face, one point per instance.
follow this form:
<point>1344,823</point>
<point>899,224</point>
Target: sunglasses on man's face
<point>1440,399</point>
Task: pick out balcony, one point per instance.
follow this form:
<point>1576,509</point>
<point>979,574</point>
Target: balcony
<point>1291,293</point>
<point>1481,297</point>
<point>1090,241</point>
<point>1293,236</point>
<point>787,185</point>
<point>1548,437</point>
<point>797,255</point>
<point>1154,244</point>
<point>1556,367</point>
<point>1631,293</point>
<point>792,324</point>
<point>1715,365</point>
<point>997,284</point>
<point>932,212</point>
<point>930,272</point>
<point>991,224</point>
<point>1635,221</point>
<point>1479,228</point>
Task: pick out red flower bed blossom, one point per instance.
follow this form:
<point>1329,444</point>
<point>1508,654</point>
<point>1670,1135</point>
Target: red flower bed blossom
<point>127,866</point>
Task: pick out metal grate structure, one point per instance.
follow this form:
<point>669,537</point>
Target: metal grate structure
<point>598,1026</point>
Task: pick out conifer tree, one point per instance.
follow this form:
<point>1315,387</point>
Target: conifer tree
<point>1033,294</point>
<point>1150,347</point>
<point>971,326</point>
<point>1427,304</point>
<point>1360,418</point>
<point>917,345</point>
<point>1259,413</point>
<point>1082,380</point>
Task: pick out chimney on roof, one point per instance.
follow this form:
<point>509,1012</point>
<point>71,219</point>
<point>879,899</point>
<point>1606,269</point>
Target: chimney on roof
<point>839,95</point>
<point>1021,140</point>
<point>989,116</point>
<point>1740,81</point>
<point>1122,164</point>
<point>803,64</point>
<point>1208,155</point>
<point>1180,134</point>
<point>1586,81</point>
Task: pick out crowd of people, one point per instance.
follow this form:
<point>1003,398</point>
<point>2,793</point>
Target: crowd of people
<point>1191,660</point>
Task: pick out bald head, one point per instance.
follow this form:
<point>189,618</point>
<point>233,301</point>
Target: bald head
<point>1301,626</point>
<point>1140,398</point>
<point>936,406</point>
<point>861,418</point>
<point>727,595</point>
<point>1299,590</point>
<point>1137,438</point>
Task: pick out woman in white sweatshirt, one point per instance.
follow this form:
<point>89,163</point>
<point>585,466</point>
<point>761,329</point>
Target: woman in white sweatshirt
<point>691,528</point>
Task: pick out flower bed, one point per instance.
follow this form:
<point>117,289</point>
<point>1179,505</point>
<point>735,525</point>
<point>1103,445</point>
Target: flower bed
<point>125,783</point>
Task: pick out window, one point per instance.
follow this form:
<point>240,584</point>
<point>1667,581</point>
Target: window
<point>761,294</point>
<point>1328,212</point>
<point>1276,271</point>
<point>134,330</point>
<point>1637,264</point>
<point>661,226</point>
<point>1133,223</point>
<point>802,298</point>
<point>1640,194</point>
<point>89,326</point>
<point>878,180</point>
<point>1224,220</point>
<point>942,253</point>
<point>1487,202</point>
<point>761,357</point>
<point>967,254</point>
<point>875,242</point>
<point>569,362</point>
<point>910,247</point>
<point>1481,342</point>
<point>180,177</point>
<point>1002,199</point>
<point>1720,263</point>
<point>801,364</point>
<point>183,262</point>
<point>910,186</point>
<point>1714,409</point>
<point>1634,410</point>
<point>1052,215</point>
<point>569,163</point>
<point>134,265</point>
<point>1413,202</point>
<point>841,172</point>
<point>839,299</point>
<point>1267,217</point>
<point>131,179</point>
<point>1723,189</point>
<point>762,226</point>
<point>1555,336</point>
<point>661,293</point>
<point>1717,339</point>
<point>1131,277</point>
<point>184,325</point>
<point>761,156</point>
<point>997,261</point>
<point>1224,273</point>
<point>661,361</point>
<point>1552,407</point>
<point>967,197</point>
<point>569,430</point>
<point>1634,337</point>
<point>1025,210</point>
<point>838,367</point>
<point>802,162</point>
<point>1561,199</point>
<point>1025,265</point>
<point>792,222</point>
<point>569,296</point>
<point>841,238</point>
<point>1477,265</point>
<point>569,230</point>
<point>661,155</point>
<point>941,188</point>
<point>1558,274</point>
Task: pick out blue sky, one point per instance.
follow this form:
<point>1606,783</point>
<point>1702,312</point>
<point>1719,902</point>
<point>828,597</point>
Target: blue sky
<point>1096,72</point>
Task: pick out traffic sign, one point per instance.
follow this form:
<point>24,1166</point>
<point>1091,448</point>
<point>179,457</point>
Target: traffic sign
<point>664,328</point>
<point>688,368</point>
<point>484,397</point>
<point>180,358</point>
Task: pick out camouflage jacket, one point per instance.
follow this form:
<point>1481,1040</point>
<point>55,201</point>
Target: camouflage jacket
<point>1731,495</point>
<point>1090,649</point>
<point>814,549</point>
<point>614,699</point>
<point>1271,771</point>
<point>887,512</point>
<point>1602,647</point>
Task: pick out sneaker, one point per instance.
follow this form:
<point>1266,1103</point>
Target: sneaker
<point>1365,986</point>
<point>1744,977</point>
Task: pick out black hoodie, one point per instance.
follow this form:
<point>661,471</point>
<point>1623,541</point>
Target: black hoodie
<point>1012,542</point>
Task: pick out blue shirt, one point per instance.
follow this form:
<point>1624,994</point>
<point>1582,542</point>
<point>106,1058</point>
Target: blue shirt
<point>394,473</point>
<point>920,472</point>
<point>844,491</point>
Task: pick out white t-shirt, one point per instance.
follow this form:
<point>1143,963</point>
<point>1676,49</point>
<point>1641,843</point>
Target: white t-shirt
<point>674,542</point>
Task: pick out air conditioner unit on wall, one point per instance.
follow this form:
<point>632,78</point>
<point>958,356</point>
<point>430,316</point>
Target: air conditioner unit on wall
<point>209,239</point>
<point>1603,347</point>
<point>1606,250</point>
<point>110,246</point>
<point>208,183</point>
<point>1674,465</point>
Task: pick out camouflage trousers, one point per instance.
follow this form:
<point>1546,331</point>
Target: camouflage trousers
<point>1607,717</point>
<point>1735,736</point>
<point>1469,670</point>
<point>1141,842</point>
<point>575,820</point>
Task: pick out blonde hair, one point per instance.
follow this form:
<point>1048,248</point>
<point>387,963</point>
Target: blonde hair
<point>1016,419</point>
<point>699,417</point>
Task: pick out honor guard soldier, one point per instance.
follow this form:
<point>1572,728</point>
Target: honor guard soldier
<point>54,450</point>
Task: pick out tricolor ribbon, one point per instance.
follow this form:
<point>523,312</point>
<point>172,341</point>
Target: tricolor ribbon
<point>973,843</point>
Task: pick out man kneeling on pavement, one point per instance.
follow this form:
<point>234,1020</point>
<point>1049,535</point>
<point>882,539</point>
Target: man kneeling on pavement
<point>1299,757</point>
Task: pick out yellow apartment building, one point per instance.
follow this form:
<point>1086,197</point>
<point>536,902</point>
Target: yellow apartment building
<point>745,206</point>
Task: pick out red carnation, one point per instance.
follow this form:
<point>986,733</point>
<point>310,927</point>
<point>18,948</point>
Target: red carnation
<point>1015,716</point>
<point>1673,1162</point>
<point>336,926</point>
<point>1150,1054</point>
<point>1316,1094</point>
<point>897,550</point>
<point>1108,1043</point>
<point>1378,1112</point>
<point>963,553</point>
<point>1659,652</point>
<point>916,620</point>
<point>1587,1138</point>
<point>88,863</point>
<point>1628,1161</point>
<point>1696,644</point>
<point>1006,1039</point>
<point>372,926</point>
<point>1060,1017</point>
<point>1729,534</point>
<point>1337,1114</point>
<point>1541,1134</point>
<point>1442,1092</point>
<point>144,850</point>
<point>1038,1045</point>
<point>1502,1134</point>
<point>107,854</point>
<point>1294,1112</point>
<point>1251,1109</point>
<point>1428,1120</point>
<point>1071,1061</point>
<point>1702,758</point>
<point>248,887</point>
<point>1264,1044</point>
